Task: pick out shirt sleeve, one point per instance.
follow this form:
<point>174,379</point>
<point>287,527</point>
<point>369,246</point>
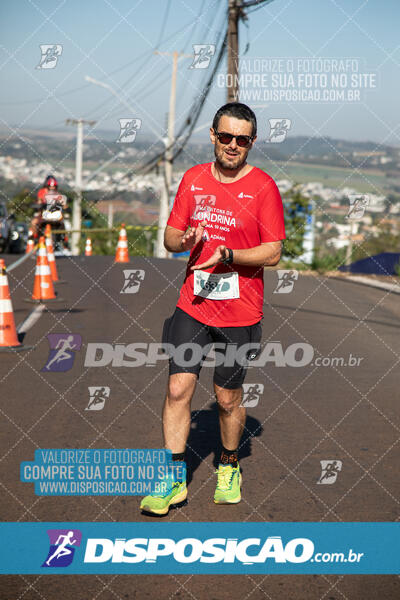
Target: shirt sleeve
<point>180,213</point>
<point>270,216</point>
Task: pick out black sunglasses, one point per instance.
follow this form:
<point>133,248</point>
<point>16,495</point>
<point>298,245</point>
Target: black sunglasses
<point>242,140</point>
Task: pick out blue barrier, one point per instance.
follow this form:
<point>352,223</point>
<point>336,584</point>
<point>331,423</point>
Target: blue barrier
<point>380,264</point>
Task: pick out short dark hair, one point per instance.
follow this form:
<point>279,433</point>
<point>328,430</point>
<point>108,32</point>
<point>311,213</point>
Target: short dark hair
<point>239,111</point>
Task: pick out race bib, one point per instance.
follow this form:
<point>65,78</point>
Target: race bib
<point>216,286</point>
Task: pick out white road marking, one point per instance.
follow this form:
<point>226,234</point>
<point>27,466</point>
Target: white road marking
<point>31,319</point>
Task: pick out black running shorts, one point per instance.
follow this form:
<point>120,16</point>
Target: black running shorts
<point>192,340</point>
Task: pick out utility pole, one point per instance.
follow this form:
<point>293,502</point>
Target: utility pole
<point>161,252</point>
<point>110,221</point>
<point>171,122</point>
<point>77,207</point>
<point>349,248</point>
<point>236,10</point>
<point>233,50</point>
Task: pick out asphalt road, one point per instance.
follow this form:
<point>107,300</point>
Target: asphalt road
<point>305,415</point>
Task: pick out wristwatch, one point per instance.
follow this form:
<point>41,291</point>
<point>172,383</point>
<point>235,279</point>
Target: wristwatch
<point>229,259</point>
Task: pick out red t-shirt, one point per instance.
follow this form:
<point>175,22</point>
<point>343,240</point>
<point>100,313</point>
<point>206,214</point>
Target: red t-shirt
<point>41,195</point>
<point>241,214</point>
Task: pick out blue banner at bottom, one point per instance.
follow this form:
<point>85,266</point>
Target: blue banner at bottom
<point>201,548</point>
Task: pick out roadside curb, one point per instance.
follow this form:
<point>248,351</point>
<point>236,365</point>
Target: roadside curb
<point>389,287</point>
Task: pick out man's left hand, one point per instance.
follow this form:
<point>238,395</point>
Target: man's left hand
<point>218,256</point>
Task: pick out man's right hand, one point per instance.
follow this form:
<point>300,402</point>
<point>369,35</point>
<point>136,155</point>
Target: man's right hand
<point>193,235</point>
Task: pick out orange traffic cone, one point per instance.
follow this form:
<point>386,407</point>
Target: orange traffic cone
<point>43,289</point>
<point>122,255</point>
<point>30,243</point>
<point>88,247</point>
<point>50,252</point>
<point>8,333</point>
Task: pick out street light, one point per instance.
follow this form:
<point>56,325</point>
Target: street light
<point>163,214</point>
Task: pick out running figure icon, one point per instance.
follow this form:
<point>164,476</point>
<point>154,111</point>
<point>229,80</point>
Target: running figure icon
<point>329,471</point>
<point>286,281</point>
<point>202,56</point>
<point>63,345</point>
<point>128,130</point>
<point>62,549</point>
<point>98,397</point>
<point>50,53</point>
<point>133,279</point>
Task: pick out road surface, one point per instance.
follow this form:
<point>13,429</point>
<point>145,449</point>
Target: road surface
<point>306,414</point>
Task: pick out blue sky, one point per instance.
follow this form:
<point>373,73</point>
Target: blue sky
<point>114,41</point>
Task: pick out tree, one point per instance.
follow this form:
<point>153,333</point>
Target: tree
<point>297,209</point>
<point>387,241</point>
<point>21,205</point>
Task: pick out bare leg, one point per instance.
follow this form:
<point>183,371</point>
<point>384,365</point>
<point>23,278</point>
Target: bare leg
<point>35,226</point>
<point>231,416</point>
<point>176,412</point>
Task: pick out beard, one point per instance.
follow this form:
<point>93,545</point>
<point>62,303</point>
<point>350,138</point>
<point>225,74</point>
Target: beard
<point>231,163</point>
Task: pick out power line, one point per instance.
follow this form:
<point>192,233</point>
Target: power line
<point>160,36</point>
<point>258,6</point>
<point>80,87</point>
<point>202,100</point>
<point>206,28</point>
<point>155,82</point>
<point>163,24</point>
<point>135,73</point>
<point>195,111</point>
<point>196,108</point>
<point>117,70</point>
<point>254,3</point>
<point>192,109</point>
<point>154,77</point>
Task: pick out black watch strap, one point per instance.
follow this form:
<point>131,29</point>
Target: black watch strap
<point>229,259</point>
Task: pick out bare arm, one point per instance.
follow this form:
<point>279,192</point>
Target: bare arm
<point>173,239</point>
<point>267,254</point>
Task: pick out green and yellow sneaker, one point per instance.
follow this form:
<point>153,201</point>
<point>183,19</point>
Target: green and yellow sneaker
<point>228,485</point>
<point>159,505</point>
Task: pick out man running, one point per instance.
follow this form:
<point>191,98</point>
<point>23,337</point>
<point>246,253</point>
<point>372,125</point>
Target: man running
<point>229,215</point>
